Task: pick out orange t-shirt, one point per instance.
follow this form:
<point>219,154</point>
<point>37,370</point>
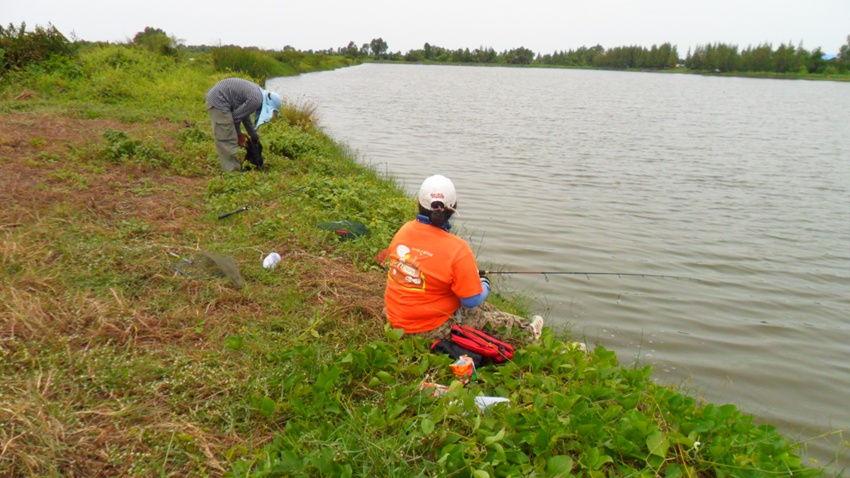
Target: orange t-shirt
<point>429,271</point>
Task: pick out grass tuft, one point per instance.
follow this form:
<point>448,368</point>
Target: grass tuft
<point>300,114</point>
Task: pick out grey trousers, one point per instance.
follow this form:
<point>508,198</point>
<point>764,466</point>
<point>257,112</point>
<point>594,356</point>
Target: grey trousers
<point>224,132</point>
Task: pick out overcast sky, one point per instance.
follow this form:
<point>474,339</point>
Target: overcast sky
<point>543,26</point>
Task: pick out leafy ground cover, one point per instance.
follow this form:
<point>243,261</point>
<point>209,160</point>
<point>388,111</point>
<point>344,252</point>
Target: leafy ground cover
<point>116,364</point>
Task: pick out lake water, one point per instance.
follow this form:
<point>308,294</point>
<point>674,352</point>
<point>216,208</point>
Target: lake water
<point>740,185</point>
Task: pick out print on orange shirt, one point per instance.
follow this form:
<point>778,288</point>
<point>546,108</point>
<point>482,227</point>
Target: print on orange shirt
<point>405,271</point>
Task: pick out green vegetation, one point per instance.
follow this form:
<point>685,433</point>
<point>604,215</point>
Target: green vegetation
<point>114,364</point>
<point>18,47</point>
<point>361,413</point>
<point>157,41</point>
<point>763,59</point>
<point>784,62</point>
<point>264,64</point>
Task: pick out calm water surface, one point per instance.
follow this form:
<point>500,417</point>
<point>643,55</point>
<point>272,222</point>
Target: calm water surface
<point>740,185</point>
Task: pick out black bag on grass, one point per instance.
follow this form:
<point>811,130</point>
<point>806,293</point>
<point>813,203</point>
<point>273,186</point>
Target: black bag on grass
<point>254,153</point>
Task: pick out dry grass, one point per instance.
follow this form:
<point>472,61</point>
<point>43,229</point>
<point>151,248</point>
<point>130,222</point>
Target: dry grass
<point>113,362</point>
<point>334,282</point>
<point>301,113</point>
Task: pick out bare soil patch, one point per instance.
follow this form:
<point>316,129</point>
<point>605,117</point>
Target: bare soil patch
<point>30,183</point>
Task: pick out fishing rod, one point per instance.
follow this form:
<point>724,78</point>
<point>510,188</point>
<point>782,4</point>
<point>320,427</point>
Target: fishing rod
<point>249,206</point>
<point>588,274</point>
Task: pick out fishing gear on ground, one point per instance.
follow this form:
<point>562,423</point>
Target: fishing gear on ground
<point>477,345</point>
<point>207,265</point>
<point>345,229</point>
<point>253,205</point>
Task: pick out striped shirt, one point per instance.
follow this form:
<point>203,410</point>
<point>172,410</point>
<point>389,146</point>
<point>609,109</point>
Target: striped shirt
<point>238,97</point>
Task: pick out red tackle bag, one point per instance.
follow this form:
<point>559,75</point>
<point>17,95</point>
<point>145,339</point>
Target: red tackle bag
<point>491,349</point>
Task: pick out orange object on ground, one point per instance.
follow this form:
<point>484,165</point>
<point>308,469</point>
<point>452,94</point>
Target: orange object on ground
<point>464,369</point>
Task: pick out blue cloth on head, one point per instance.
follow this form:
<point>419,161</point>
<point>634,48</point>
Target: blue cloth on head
<point>271,103</point>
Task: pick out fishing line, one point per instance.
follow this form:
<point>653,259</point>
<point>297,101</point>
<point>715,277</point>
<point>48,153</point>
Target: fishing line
<point>545,274</point>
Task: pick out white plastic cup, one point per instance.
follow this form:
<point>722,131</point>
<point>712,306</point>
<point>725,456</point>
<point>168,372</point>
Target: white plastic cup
<point>271,260</point>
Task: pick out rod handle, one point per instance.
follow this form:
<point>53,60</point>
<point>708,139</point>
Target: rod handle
<point>233,212</point>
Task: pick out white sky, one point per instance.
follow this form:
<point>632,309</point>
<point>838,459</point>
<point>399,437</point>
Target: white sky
<point>543,26</point>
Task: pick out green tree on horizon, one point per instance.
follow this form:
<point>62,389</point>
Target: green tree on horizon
<point>378,46</point>
<point>843,57</point>
<point>519,56</point>
<point>157,41</point>
<point>351,50</point>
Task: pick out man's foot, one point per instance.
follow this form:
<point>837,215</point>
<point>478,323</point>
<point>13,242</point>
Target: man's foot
<point>536,327</point>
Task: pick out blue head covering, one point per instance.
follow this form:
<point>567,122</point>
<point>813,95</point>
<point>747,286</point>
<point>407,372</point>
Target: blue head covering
<point>271,103</point>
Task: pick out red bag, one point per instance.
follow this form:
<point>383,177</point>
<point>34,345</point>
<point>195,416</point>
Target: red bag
<point>486,345</point>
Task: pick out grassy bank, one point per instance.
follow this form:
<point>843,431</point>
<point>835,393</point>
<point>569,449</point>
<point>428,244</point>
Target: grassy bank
<point>117,364</point>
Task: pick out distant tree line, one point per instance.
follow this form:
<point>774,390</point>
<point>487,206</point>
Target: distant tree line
<point>763,58</point>
<point>716,57</point>
<point>19,47</point>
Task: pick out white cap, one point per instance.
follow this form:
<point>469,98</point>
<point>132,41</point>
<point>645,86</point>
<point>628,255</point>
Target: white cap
<point>438,188</point>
